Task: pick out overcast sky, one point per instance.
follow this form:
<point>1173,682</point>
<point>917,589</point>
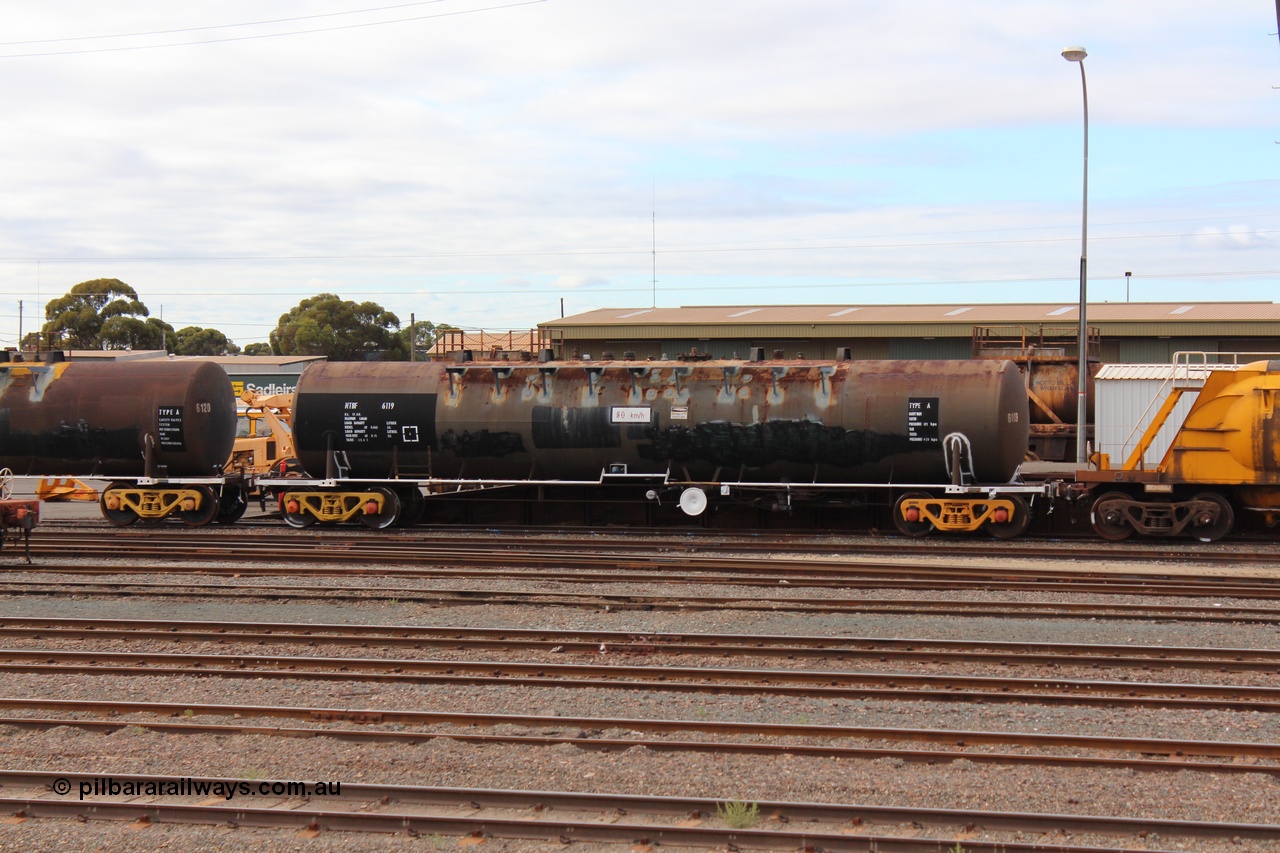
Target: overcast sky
<point>477,162</point>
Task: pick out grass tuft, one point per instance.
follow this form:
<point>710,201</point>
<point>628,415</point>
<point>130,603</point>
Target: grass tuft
<point>738,814</point>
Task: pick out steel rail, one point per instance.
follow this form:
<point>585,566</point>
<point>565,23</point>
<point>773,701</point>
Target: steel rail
<point>501,550</point>
<point>808,683</point>
<point>223,544</point>
<point>691,540</point>
<point>635,601</point>
<point>550,804</point>
<point>554,557</point>
<point>593,743</point>
<point>634,644</point>
<point>576,566</point>
<point>1264,589</point>
<point>961,739</point>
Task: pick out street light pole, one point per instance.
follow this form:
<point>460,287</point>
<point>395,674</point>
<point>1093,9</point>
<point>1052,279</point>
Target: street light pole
<point>1077,54</point>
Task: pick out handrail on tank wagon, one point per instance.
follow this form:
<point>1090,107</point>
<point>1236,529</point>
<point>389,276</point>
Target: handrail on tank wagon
<point>1184,357</point>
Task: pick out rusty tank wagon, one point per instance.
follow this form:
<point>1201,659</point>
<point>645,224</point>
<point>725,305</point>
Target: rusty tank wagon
<point>159,429</point>
<point>939,439</point>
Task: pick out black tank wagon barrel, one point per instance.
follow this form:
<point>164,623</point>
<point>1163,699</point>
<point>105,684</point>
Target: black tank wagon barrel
<point>160,429</point>
<point>702,430</point>
<point>876,420</point>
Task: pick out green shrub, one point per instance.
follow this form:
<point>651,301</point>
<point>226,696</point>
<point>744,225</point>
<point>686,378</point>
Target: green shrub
<point>737,814</point>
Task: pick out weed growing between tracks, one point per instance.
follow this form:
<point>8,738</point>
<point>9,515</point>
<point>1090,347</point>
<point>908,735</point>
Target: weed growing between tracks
<point>738,814</point>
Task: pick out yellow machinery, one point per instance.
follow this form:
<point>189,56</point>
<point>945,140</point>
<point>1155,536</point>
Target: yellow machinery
<point>65,489</point>
<point>1225,456</point>
<point>264,438</point>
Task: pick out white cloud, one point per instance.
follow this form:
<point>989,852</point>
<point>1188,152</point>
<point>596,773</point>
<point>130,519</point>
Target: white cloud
<point>1232,237</point>
<point>474,169</point>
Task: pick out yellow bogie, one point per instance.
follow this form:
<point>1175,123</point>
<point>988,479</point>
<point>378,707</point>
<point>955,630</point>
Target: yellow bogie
<point>304,507</point>
<point>125,504</point>
<point>1004,517</point>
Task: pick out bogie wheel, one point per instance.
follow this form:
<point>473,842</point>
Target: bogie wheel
<point>1205,526</point>
<point>232,505</point>
<point>203,514</point>
<point>1013,527</point>
<point>913,527</point>
<point>122,516</point>
<point>292,512</point>
<point>384,518</point>
<point>1108,517</point>
<point>412,506</point>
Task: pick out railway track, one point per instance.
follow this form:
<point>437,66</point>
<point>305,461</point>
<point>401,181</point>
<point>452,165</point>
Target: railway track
<point>620,648</point>
<point>581,561</point>
<point>675,601</point>
<point>623,644</point>
<point>416,545</point>
<point>899,576</point>
<point>571,816</point>
<point>817,684</point>
<point>831,741</point>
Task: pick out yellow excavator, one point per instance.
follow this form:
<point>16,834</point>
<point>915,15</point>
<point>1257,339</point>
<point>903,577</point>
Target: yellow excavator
<point>264,435</point>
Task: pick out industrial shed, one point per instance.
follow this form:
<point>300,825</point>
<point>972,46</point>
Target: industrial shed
<point>1137,332</point>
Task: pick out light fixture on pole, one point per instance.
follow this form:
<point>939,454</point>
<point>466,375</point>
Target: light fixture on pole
<point>1077,54</point>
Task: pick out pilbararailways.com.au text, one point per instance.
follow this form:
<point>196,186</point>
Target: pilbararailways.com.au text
<point>228,789</point>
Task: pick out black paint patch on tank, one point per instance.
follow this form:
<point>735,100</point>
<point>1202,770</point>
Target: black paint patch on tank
<point>481,443</point>
<point>641,432</point>
<point>762,444</point>
<point>70,443</point>
<point>556,428</point>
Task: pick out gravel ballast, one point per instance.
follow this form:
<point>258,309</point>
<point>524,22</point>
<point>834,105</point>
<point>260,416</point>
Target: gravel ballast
<point>959,784</point>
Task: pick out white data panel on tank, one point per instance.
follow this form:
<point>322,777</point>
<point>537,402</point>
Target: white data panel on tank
<point>631,415</point>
